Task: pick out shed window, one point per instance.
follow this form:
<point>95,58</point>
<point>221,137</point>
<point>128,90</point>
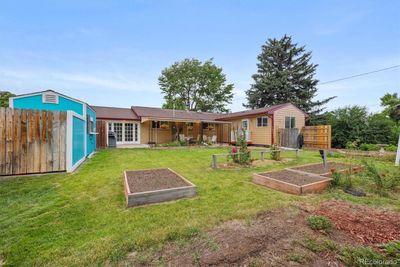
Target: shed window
<point>90,124</point>
<point>50,98</point>
<point>290,122</point>
<point>262,121</point>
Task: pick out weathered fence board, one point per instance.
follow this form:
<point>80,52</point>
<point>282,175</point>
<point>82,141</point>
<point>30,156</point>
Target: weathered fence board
<point>24,147</point>
<point>287,137</point>
<point>318,137</point>
<point>32,141</point>
<point>2,140</point>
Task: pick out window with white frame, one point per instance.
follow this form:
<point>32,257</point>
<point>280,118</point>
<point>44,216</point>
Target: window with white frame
<point>290,122</point>
<point>126,132</point>
<point>245,124</point>
<point>262,121</point>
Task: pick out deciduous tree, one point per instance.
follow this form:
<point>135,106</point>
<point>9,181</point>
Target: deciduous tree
<point>193,85</point>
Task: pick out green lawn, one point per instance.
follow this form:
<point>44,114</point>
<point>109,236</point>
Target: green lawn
<point>81,219</point>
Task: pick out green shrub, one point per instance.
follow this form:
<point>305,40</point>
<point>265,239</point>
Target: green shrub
<point>372,172</point>
<point>275,153</point>
<point>369,147</point>
<point>361,256</point>
<point>347,182</point>
<point>336,179</point>
<point>393,249</point>
<point>352,145</point>
<point>317,222</point>
<point>391,148</point>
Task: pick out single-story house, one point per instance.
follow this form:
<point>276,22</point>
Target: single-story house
<point>80,122</point>
<point>148,125</point>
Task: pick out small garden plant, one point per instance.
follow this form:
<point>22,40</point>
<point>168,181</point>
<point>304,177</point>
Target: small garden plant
<point>317,222</point>
<point>241,154</point>
<point>275,153</point>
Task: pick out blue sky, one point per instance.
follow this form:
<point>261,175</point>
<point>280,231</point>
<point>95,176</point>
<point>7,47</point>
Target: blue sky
<point>112,52</point>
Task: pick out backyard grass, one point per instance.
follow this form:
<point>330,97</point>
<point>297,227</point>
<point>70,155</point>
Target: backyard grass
<point>81,219</point>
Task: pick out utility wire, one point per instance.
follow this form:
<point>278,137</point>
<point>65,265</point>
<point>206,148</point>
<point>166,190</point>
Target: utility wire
<point>358,75</point>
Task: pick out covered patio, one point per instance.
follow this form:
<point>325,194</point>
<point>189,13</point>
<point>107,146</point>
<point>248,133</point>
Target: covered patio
<point>166,130</point>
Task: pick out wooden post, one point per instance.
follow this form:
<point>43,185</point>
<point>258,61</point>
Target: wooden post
<point>297,153</point>
<point>323,155</point>
<point>214,162</point>
<point>262,155</point>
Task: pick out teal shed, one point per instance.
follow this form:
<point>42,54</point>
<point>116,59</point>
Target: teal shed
<point>81,122</point>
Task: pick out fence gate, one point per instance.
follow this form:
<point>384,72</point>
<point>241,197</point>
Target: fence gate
<point>101,129</point>
<point>317,136</point>
<point>287,137</point>
<point>32,141</point>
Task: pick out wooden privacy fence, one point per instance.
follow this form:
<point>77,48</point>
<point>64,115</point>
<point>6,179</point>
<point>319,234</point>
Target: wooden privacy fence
<point>101,129</point>
<point>287,137</point>
<point>32,141</point>
<point>318,137</point>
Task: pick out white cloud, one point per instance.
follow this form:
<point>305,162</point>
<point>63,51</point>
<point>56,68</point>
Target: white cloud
<point>41,78</point>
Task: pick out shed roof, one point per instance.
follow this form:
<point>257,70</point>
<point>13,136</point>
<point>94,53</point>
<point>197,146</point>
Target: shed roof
<point>259,111</point>
<point>115,113</point>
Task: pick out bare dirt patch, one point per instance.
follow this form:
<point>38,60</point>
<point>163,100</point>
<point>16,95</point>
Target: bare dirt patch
<point>149,180</point>
<point>277,238</point>
<point>319,168</point>
<point>365,224</point>
<point>292,177</point>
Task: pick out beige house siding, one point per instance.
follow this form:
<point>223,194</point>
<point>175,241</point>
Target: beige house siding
<point>288,111</point>
<point>263,135</point>
<point>258,135</point>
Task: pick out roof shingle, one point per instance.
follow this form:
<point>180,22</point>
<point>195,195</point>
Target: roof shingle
<point>115,113</point>
<point>174,114</point>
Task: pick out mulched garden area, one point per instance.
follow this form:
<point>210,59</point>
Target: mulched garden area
<point>365,224</point>
<point>156,179</point>
<point>271,239</point>
<point>319,168</point>
<point>292,177</point>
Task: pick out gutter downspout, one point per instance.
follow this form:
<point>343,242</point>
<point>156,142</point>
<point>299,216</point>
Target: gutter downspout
<point>272,129</point>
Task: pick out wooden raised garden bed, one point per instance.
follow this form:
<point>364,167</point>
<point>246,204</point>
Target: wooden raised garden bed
<point>292,182</point>
<point>155,185</point>
<point>320,170</point>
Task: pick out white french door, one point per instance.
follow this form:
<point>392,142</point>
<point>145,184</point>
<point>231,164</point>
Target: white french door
<point>126,132</point>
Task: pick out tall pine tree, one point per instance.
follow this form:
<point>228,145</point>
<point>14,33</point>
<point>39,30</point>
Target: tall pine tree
<point>285,74</point>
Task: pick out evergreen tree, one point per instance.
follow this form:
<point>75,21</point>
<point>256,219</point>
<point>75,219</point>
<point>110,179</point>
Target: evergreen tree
<point>285,74</point>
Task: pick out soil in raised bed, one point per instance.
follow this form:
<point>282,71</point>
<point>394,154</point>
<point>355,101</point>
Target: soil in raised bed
<point>319,168</point>
<point>292,177</point>
<point>149,180</point>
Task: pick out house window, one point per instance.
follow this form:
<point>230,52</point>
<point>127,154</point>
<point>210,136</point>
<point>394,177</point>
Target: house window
<point>128,132</point>
<point>159,124</point>
<point>118,130</point>
<point>290,122</point>
<point>125,131</point>
<point>262,121</point>
<point>245,124</point>
<point>205,125</point>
